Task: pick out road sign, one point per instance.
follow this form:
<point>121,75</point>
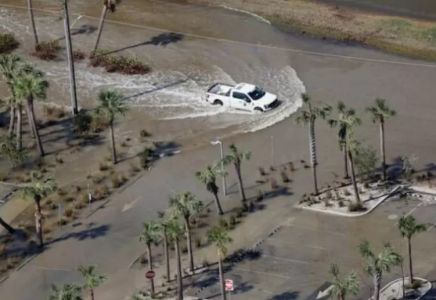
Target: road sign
<point>228,284</point>
<point>150,274</point>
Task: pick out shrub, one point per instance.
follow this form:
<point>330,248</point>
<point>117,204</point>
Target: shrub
<point>79,205</point>
<point>223,223</point>
<point>274,185</point>
<point>59,160</point>
<point>184,249</point>
<point>144,133</point>
<point>261,171</point>
<point>47,50</point>
<point>97,178</point>
<point>100,192</point>
<point>285,178</point>
<point>115,180</point>
<point>3,177</point>
<point>347,192</point>
<point>146,157</point>
<point>341,203</point>
<point>53,111</point>
<point>68,212</point>
<point>244,207</point>
<point>133,169</point>
<point>291,166</point>
<point>8,43</point>
<point>366,162</point>
<point>239,212</point>
<point>260,196</point>
<point>271,168</point>
<point>366,185</point>
<point>78,55</point>
<point>104,166</point>
<point>356,207</point>
<point>119,64</point>
<point>329,195</point>
<point>82,124</point>
<point>2,250</point>
<point>306,166</point>
<point>232,220</point>
<point>98,122</point>
<point>61,192</point>
<point>198,242</point>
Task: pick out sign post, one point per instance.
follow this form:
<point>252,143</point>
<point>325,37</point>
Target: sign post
<point>228,285</point>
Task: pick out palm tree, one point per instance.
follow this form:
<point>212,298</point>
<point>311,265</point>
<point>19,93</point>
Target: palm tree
<point>32,21</point>
<point>377,264</point>
<point>30,86</point>
<point>111,105</point>
<point>408,228</point>
<point>220,236</point>
<point>208,178</point>
<point>343,287</point>
<point>381,112</point>
<point>67,292</point>
<point>185,205</point>
<point>308,116</point>
<point>236,158</point>
<point>9,148</point>
<point>150,235</point>
<point>175,233</point>
<point>107,5</point>
<point>343,122</point>
<point>93,280</point>
<point>164,228</point>
<point>35,191</point>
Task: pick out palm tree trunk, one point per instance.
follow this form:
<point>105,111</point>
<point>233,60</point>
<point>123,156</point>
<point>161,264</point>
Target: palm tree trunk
<point>167,257</point>
<point>240,183</point>
<point>114,151</point>
<point>6,226</point>
<point>189,244</point>
<point>377,284</point>
<point>91,293</point>
<point>313,155</point>
<point>38,224</point>
<point>72,75</point>
<point>33,121</point>
<point>346,175</point>
<point>32,21</point>
<point>32,129</point>
<point>382,148</point>
<point>353,177</point>
<point>12,120</point>
<point>218,204</point>
<point>409,244</point>
<point>179,271</point>
<point>150,266</point>
<point>221,272</point>
<point>100,27</point>
<point>19,127</point>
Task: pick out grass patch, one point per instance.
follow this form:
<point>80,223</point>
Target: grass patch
<point>8,43</point>
<point>119,64</point>
<point>47,50</point>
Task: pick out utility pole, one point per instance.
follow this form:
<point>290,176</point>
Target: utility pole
<point>70,60</point>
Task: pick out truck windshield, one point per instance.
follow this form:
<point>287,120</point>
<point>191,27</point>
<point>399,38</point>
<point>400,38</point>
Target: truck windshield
<point>256,94</point>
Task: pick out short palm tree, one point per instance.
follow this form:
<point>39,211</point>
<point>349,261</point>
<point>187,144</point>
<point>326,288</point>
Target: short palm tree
<point>343,287</point>
<point>350,145</point>
<point>151,234</point>
<point>35,191</point>
<point>380,113</point>
<point>208,178</point>
<point>308,116</point>
<point>30,86</point>
<point>163,225</point>
<point>92,279</point>
<point>175,232</point>
<point>67,292</point>
<point>111,105</point>
<point>343,123</point>
<point>32,21</point>
<point>236,158</point>
<point>220,237</point>
<point>186,205</point>
<point>107,5</point>
<point>408,228</point>
<point>377,264</point>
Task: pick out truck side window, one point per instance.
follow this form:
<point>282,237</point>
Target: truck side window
<point>241,96</point>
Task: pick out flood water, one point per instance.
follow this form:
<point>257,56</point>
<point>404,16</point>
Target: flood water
<point>419,9</point>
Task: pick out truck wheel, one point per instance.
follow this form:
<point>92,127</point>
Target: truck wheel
<point>258,109</point>
<point>218,102</point>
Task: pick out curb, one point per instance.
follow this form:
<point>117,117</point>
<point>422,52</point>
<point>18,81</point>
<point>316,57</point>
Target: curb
<point>349,215</point>
<point>394,281</point>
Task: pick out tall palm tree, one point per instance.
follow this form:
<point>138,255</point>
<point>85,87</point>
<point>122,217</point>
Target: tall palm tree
<point>107,5</point>
<point>35,191</point>
<point>150,235</point>
<point>163,224</point>
<point>220,236</point>
<point>32,21</point>
<point>67,292</point>
<point>111,105</point>
<point>185,205</point>
<point>308,116</point>
<point>236,158</point>
<point>408,228</point>
<point>343,287</point>
<point>380,113</point>
<point>31,86</point>
<point>377,264</point>
<point>92,279</point>
<point>208,178</point>
<point>175,233</point>
<point>345,115</point>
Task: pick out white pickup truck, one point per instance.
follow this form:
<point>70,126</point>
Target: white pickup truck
<point>242,96</point>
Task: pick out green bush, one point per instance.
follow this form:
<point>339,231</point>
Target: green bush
<point>78,55</point>
<point>115,180</point>
<point>47,50</point>
<point>82,124</point>
<point>223,223</point>
<point>144,133</point>
<point>119,64</point>
<point>8,43</point>
<point>232,220</point>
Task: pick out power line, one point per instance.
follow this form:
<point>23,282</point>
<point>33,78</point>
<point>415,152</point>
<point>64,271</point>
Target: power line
<point>244,43</point>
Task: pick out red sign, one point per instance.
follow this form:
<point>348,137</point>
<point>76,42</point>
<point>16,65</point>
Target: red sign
<point>228,284</point>
<point>150,274</point>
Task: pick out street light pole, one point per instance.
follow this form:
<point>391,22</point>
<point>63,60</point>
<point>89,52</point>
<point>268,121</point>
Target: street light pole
<point>218,142</point>
<point>272,151</point>
<point>70,59</point>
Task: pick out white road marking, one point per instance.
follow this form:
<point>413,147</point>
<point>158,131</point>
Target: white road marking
<point>287,259</point>
<point>410,212</point>
<point>431,227</point>
<point>52,269</point>
<point>290,243</point>
<point>263,273</point>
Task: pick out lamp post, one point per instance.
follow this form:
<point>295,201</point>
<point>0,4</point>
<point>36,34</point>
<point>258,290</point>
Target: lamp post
<point>218,142</point>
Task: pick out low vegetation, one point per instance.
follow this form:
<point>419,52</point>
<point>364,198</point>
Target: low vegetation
<point>8,43</point>
<point>47,50</point>
<point>78,55</point>
<point>119,64</point>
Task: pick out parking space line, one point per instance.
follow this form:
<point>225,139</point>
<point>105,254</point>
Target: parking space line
<point>287,259</point>
<point>290,243</point>
<point>263,273</point>
<point>410,212</point>
<point>52,269</point>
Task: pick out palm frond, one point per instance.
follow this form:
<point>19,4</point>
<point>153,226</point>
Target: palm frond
<point>151,233</point>
<point>219,236</point>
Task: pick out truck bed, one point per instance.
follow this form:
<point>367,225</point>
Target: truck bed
<point>220,89</point>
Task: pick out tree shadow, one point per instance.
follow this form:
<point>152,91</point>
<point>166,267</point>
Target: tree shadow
<point>395,169</point>
<point>162,39</point>
<point>88,233</point>
<point>84,29</point>
<point>285,296</point>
